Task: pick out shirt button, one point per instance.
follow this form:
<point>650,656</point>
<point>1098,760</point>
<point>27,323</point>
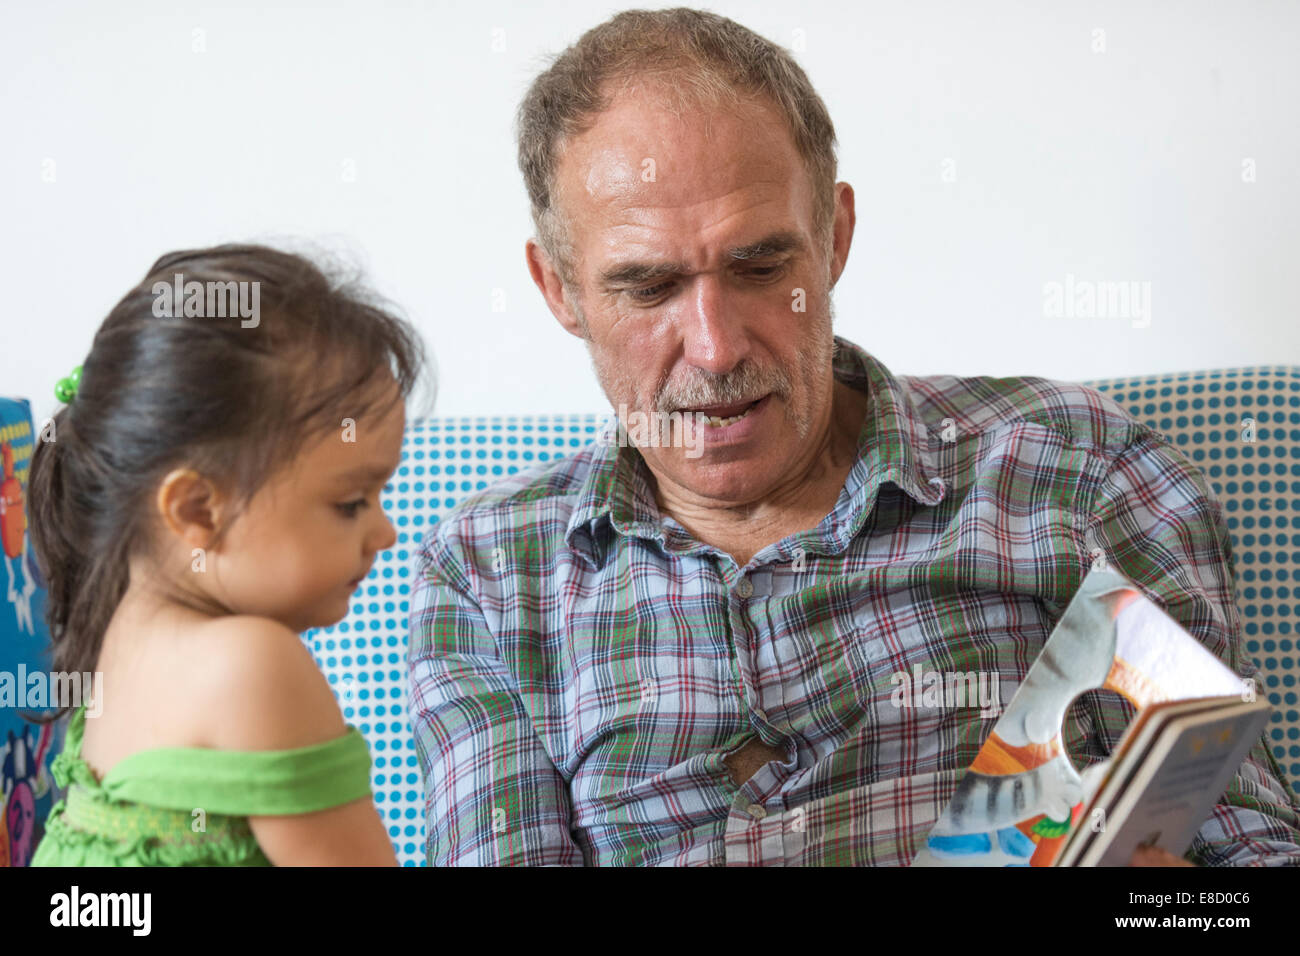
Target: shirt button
<point>745,587</point>
<point>756,811</point>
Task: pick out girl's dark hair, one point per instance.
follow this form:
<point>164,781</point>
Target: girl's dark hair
<point>233,398</point>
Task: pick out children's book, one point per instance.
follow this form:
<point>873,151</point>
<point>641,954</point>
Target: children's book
<point>1023,803</point>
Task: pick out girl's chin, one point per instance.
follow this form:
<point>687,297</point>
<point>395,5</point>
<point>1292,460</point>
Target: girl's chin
<point>325,617</point>
<point>328,611</point>
<point>340,615</point>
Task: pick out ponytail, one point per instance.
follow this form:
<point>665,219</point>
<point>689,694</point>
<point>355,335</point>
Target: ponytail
<point>85,574</point>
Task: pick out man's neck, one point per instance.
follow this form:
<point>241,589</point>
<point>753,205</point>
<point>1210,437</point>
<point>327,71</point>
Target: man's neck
<point>799,502</point>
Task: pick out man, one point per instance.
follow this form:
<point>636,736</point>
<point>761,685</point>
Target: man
<point>681,653</point>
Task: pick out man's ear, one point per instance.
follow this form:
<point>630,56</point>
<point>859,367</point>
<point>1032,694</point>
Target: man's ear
<point>845,220</point>
<point>189,507</point>
<point>548,281</point>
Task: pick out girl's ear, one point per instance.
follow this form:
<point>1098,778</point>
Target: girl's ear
<point>190,507</point>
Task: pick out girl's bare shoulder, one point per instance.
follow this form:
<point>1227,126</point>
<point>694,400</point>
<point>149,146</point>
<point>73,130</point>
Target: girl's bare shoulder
<point>260,686</point>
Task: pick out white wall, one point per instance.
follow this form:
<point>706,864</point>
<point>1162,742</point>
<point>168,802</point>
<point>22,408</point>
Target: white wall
<point>1125,165</point>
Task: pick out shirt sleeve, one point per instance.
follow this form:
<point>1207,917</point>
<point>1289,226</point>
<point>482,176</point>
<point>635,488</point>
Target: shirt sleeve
<point>493,796</point>
<point>1157,522</point>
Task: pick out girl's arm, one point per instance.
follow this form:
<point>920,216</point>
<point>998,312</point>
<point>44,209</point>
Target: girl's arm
<point>347,835</point>
<point>276,698</point>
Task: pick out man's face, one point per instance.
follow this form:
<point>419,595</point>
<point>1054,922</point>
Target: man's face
<point>703,287</point>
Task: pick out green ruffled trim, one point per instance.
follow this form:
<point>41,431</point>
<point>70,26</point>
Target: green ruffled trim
<point>142,851</point>
<point>69,768</point>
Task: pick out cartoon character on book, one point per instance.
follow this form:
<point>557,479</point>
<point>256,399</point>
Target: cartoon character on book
<point>13,537</point>
<point>1022,795</point>
<point>24,779</point>
<point>26,782</point>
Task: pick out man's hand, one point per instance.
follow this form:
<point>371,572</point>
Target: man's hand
<point>1154,856</point>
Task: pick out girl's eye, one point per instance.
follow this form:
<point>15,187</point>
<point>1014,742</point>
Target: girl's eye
<point>349,509</point>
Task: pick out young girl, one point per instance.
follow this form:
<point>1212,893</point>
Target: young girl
<point>211,489</point>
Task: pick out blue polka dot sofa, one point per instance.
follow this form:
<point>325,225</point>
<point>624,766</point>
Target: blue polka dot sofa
<point>1204,413</point>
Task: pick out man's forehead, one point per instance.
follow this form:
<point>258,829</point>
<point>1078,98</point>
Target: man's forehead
<point>638,152</point>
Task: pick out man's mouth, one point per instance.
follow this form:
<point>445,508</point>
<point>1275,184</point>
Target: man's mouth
<point>720,416</point>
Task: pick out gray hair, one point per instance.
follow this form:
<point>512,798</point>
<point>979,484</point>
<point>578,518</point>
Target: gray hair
<point>698,59</point>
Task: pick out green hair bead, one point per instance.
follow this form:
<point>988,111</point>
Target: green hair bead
<point>65,390</point>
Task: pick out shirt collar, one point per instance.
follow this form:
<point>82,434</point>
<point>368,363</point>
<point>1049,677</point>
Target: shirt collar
<point>617,495</point>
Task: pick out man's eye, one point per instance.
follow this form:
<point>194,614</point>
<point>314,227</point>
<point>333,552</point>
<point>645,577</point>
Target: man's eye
<point>647,295</point>
<point>349,509</point>
<point>653,292</point>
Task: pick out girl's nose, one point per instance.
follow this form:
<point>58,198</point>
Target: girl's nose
<point>387,536</point>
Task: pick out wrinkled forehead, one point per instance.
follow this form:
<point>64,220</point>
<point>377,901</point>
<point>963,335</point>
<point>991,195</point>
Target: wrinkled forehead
<point>653,153</point>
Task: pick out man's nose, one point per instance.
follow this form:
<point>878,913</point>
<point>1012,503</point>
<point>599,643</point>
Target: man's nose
<point>714,333</point>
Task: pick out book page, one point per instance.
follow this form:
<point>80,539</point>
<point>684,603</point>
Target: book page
<point>1174,790</point>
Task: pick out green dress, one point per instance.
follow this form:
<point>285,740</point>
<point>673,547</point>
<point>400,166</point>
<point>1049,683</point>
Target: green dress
<point>183,806</point>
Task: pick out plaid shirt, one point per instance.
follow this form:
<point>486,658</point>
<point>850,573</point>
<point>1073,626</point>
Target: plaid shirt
<point>580,664</point>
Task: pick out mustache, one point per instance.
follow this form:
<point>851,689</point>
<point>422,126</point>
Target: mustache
<point>745,383</point>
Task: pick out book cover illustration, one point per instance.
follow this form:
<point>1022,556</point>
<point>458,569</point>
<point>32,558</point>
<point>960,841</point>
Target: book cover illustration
<point>1021,797</point>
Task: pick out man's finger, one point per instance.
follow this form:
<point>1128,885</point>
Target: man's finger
<point>1154,856</point>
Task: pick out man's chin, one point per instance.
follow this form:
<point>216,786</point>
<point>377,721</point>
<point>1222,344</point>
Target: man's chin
<point>728,474</point>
